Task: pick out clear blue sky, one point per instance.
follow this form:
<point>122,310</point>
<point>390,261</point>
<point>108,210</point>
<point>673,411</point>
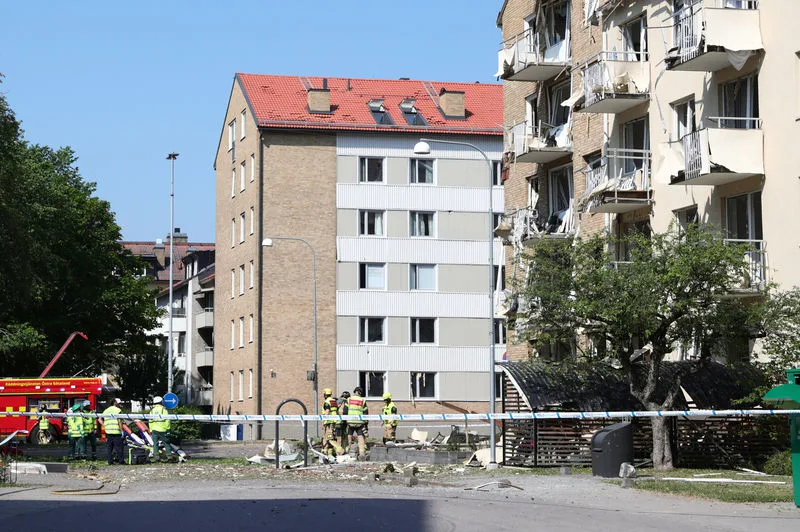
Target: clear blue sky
<point>125,83</point>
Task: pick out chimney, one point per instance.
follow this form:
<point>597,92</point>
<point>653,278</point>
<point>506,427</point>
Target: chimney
<point>452,103</point>
<point>179,237</point>
<point>319,100</point>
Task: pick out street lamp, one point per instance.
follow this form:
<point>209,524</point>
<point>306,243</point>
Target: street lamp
<point>267,242</point>
<point>423,148</point>
<point>171,157</point>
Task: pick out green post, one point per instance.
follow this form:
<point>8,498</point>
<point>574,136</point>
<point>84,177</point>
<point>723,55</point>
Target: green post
<point>788,396</point>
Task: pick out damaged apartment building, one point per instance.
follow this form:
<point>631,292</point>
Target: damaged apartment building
<point>625,115</point>
<point>318,177</point>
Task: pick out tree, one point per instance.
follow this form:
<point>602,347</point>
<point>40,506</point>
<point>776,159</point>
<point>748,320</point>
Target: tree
<point>62,268</point>
<point>674,290</point>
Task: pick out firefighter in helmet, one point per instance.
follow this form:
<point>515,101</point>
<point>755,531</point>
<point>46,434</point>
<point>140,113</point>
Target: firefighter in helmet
<point>330,407</point>
<point>389,425</point>
<point>341,426</point>
<point>357,406</point>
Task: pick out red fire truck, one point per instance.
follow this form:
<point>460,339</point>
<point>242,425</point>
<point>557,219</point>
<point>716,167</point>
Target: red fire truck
<point>36,395</point>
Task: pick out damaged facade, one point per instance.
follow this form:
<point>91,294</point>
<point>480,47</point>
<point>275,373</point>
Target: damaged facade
<point>626,115</point>
<point>399,240</point>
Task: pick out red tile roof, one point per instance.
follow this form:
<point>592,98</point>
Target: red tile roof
<point>179,250</point>
<point>281,102</point>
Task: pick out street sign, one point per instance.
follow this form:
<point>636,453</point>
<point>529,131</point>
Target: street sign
<point>170,401</point>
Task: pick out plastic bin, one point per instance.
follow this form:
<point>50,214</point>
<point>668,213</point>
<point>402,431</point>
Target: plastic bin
<point>611,446</point>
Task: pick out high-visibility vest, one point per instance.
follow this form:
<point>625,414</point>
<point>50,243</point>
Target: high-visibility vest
<point>330,408</point>
<point>159,425</point>
<point>44,424</point>
<point>112,425</point>
<point>75,427</point>
<point>89,424</point>
<point>388,410</point>
<point>356,406</point>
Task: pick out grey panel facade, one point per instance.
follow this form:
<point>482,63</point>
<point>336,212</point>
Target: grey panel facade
<point>463,225</point>
<point>346,169</point>
<point>347,222</point>
<point>463,278</point>
<point>452,172</point>
<point>463,331</point>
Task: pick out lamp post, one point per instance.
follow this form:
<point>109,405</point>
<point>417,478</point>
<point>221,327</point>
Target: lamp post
<point>423,148</point>
<point>267,242</point>
<point>171,157</point>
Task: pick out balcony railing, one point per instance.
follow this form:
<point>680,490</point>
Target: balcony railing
<point>525,57</point>
<point>620,183</point>
<point>542,143</point>
<point>614,82</point>
<point>755,256</point>
<point>729,152</point>
<point>205,319</point>
<point>707,39</point>
<point>204,357</point>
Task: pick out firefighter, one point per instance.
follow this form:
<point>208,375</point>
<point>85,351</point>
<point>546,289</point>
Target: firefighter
<point>330,407</point>
<point>159,428</point>
<point>75,433</point>
<point>113,428</point>
<point>389,426</point>
<point>44,426</point>
<point>89,430</point>
<point>341,426</point>
<point>357,406</point>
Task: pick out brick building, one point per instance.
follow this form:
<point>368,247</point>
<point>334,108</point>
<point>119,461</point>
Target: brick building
<point>321,172</point>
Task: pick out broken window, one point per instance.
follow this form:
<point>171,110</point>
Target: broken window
<point>422,277</point>
<point>556,22</point>
<point>559,114</point>
<point>685,122</point>
<point>634,40</point>
<point>372,382</point>
<point>370,170</point>
<point>423,385</point>
<point>743,216</point>
<point>370,223</point>
<point>636,140</point>
<point>371,330</point>
<point>560,190</point>
<point>423,330</point>
<point>686,217</point>
<point>422,171</point>
<point>499,270</point>
<point>739,103</point>
<point>371,276</point>
<point>499,331</point>
<point>422,224</point>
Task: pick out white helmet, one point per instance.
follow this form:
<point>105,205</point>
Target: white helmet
<point>157,400</point>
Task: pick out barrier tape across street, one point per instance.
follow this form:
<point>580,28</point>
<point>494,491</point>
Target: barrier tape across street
<point>509,416</point>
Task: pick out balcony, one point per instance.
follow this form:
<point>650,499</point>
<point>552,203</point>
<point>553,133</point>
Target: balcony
<point>203,397</point>
<point>205,319</point>
<point>520,227</point>
<point>754,280</point>
<point>717,156</point>
<point>620,184</point>
<point>541,144</point>
<point>708,39</point>
<point>525,57</point>
<point>614,82</point>
<point>204,357</point>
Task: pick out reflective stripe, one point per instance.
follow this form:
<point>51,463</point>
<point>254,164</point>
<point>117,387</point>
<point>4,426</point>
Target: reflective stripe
<point>159,425</point>
<point>356,406</point>
<point>330,408</point>
<point>112,425</point>
<point>75,425</point>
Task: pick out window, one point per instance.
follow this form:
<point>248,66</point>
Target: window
<point>243,122</point>
<point>499,331</point>
<point>232,386</point>
<point>241,280</point>
<point>684,118</point>
<point>411,114</point>
<point>634,40</point>
<point>233,334</point>
<point>739,103</point>
<point>497,173</point>
<point>422,171</point>
<point>378,111</point>
<point>250,389</point>
<point>531,106</point>
<point>499,270</point>
<point>422,224</point>
<point>635,136</point>
<point>560,191</point>
<point>233,183</point>
<point>372,382</point>
<point>422,277</point>
<point>371,330</point>
<point>370,223</point>
<point>241,331</point>
<point>423,330</point>
<point>241,385</point>
<point>252,220</point>
<point>241,227</point>
<point>252,321</point>
<point>231,135</point>
<point>242,172</point>
<point>252,167</point>
<point>556,22</point>
<point>423,385</point>
<point>370,170</point>
<point>252,274</point>
<point>233,282</point>
<point>686,217</point>
<point>743,216</point>
<point>498,385</point>
<point>371,276</point>
<point>559,115</point>
<point>233,232</point>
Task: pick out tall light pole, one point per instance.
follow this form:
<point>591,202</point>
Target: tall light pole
<point>423,148</point>
<point>171,157</point>
<point>267,242</point>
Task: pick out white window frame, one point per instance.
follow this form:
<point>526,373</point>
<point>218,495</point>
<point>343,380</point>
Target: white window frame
<point>413,171</point>
<point>244,121</point>
<point>365,385</point>
<point>363,166</point>
<point>241,385</point>
<point>233,183</point>
<point>241,280</point>
<point>363,329</point>
<point>500,331</point>
<point>754,222</point>
<point>414,331</point>
<point>363,222</point>
<point>252,220</point>
<point>684,118</point>
<point>231,134</point>
<point>252,273</point>
<point>233,335</point>
<point>242,174</point>
<point>531,104</point>
<point>233,232</point>
<point>551,189</point>
<point>233,283</point>
<point>628,50</point>
<point>250,389</point>
<point>241,331</point>
<point>414,393</point>
<point>555,100</point>
<point>252,167</point>
<point>413,275</point>
<point>364,276</point>
<point>241,227</point>
<point>232,386</point>
<point>252,323</point>
<point>631,164</point>
<point>414,221</point>
<point>497,173</point>
<point>748,90</point>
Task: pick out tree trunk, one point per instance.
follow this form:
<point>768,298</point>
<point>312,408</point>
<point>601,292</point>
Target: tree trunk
<point>662,446</point>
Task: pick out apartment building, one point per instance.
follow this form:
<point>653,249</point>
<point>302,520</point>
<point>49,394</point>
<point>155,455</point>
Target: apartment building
<point>676,111</point>
<point>319,176</point>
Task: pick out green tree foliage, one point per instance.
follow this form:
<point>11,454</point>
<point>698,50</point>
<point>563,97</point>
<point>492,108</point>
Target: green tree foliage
<point>674,290</point>
<point>62,268</point>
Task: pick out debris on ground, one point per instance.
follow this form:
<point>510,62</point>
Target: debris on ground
<point>503,483</point>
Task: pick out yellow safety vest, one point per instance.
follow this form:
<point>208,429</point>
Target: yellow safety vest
<point>44,424</point>
<point>159,425</point>
<point>75,426</point>
<point>89,424</point>
<point>112,425</point>
<point>388,410</point>
<point>356,406</point>
<point>330,408</point>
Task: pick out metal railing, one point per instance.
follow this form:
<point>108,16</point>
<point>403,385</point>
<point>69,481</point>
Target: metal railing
<point>178,312</point>
<point>688,26</point>
<point>735,122</point>
<point>523,137</point>
<point>756,260</point>
<point>529,49</point>
<point>692,142</point>
<point>597,81</point>
<point>621,170</point>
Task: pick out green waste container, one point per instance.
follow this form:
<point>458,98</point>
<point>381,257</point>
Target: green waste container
<point>788,396</point>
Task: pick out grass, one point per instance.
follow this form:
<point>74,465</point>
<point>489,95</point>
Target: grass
<point>717,491</point>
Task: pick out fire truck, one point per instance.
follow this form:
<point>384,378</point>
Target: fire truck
<point>37,395</point>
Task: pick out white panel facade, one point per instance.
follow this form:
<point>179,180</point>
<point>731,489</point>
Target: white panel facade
<point>417,198</point>
<point>403,146</point>
<point>415,250</point>
<point>424,304</point>
<point>376,357</point>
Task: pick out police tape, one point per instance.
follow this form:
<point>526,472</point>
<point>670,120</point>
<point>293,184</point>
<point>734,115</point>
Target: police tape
<point>504,416</point>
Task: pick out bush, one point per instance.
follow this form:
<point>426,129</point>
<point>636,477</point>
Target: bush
<point>779,464</point>
<point>190,430</point>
